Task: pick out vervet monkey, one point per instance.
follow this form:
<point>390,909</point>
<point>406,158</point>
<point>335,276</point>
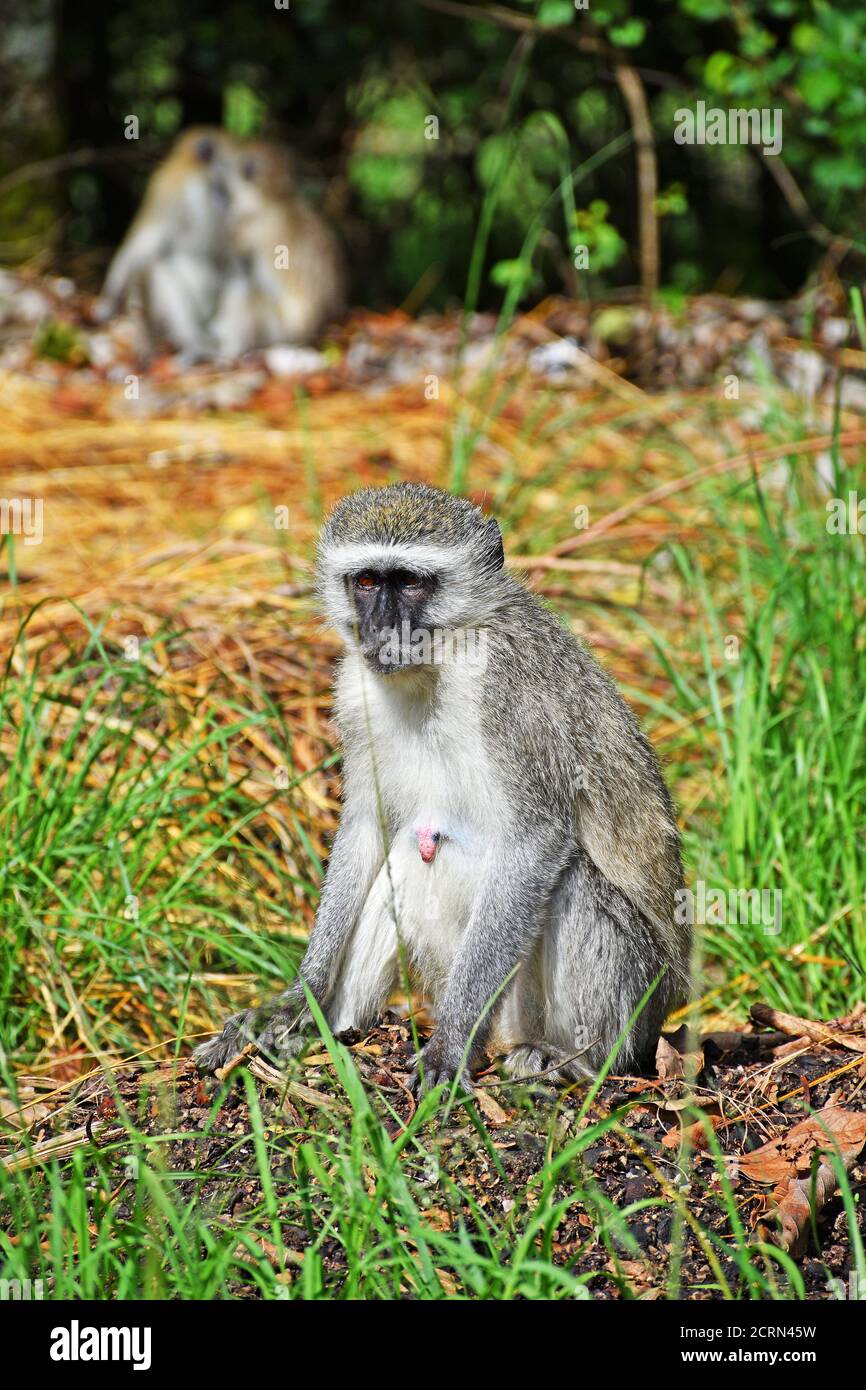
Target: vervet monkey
<point>172,261</point>
<point>501,810</point>
<point>286,279</point>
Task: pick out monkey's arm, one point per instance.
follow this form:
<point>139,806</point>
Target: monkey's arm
<point>356,856</point>
<point>140,247</point>
<point>508,917</point>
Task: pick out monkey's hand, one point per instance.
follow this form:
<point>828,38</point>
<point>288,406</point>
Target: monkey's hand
<point>439,1063</point>
<point>280,1030</point>
<point>104,308</point>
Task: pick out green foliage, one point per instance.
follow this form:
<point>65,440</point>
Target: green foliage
<point>60,342</point>
<point>672,202</point>
<point>115,897</point>
<point>783,725</point>
<point>629,34</point>
<point>602,240</point>
<point>245,110</point>
<point>387,166</point>
<point>416,121</point>
<point>820,59</point>
<point>515,273</point>
<point>552,14</point>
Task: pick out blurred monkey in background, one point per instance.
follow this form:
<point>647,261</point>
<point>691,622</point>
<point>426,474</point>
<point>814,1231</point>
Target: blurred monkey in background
<point>224,255</point>
<point>286,275</point>
<point>172,263</point>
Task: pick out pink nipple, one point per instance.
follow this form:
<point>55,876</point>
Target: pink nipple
<point>428,843</point>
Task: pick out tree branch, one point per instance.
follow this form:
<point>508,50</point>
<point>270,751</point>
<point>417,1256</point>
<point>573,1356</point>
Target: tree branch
<point>633,95</point>
<point>59,164</point>
<point>837,246</point>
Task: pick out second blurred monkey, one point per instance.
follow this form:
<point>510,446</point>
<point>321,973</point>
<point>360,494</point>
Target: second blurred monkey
<point>286,275</point>
<point>173,262</point>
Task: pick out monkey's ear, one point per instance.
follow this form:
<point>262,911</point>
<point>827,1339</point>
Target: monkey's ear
<point>493,536</point>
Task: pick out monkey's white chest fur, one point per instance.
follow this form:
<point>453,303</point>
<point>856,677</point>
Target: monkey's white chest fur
<point>421,748</point>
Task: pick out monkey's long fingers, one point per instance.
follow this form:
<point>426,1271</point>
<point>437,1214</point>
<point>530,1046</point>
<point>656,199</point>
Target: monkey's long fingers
<point>434,1076</point>
<point>278,1032</point>
<point>239,1031</point>
<point>285,1036</point>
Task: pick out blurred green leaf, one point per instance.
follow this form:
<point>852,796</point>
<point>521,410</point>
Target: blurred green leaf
<point>60,342</point>
<point>805,37</point>
<point>820,87</point>
<point>555,14</point>
<point>844,171</point>
<point>706,10</point>
<point>244,111</point>
<point>718,71</point>
<point>513,272</point>
<point>628,35</point>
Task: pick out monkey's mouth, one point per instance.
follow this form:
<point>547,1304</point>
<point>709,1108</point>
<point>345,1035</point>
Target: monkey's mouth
<point>387,665</point>
<point>220,190</point>
<point>388,652</point>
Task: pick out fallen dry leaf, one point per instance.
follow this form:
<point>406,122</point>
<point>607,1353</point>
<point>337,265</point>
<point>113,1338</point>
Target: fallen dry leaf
<point>695,1135</point>
<point>638,1273</point>
<point>674,1060</point>
<point>794,1209</point>
<point>791,1153</point>
<point>787,1163</point>
<point>490,1109</point>
<point>438,1218</point>
<point>669,1063</point>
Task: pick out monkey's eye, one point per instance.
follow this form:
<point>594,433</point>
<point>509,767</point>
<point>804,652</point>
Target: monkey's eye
<point>407,580</point>
<point>248,170</point>
<point>366,580</point>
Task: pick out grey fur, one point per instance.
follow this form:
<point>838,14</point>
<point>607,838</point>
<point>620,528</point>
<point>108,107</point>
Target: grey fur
<point>576,890</point>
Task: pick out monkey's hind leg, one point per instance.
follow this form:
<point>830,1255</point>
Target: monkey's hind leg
<point>519,1028</point>
<point>600,957</point>
<point>234,326</point>
<point>179,303</point>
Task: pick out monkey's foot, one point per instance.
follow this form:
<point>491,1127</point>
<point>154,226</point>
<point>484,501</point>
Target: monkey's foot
<point>550,1064</point>
<point>193,357</point>
<point>528,1060</point>
<point>435,1068</point>
<point>279,1034</point>
<point>103,309</point>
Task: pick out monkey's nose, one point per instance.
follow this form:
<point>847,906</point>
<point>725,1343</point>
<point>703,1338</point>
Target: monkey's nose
<point>428,843</point>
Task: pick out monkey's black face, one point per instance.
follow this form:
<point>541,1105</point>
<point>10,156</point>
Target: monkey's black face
<point>390,614</point>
